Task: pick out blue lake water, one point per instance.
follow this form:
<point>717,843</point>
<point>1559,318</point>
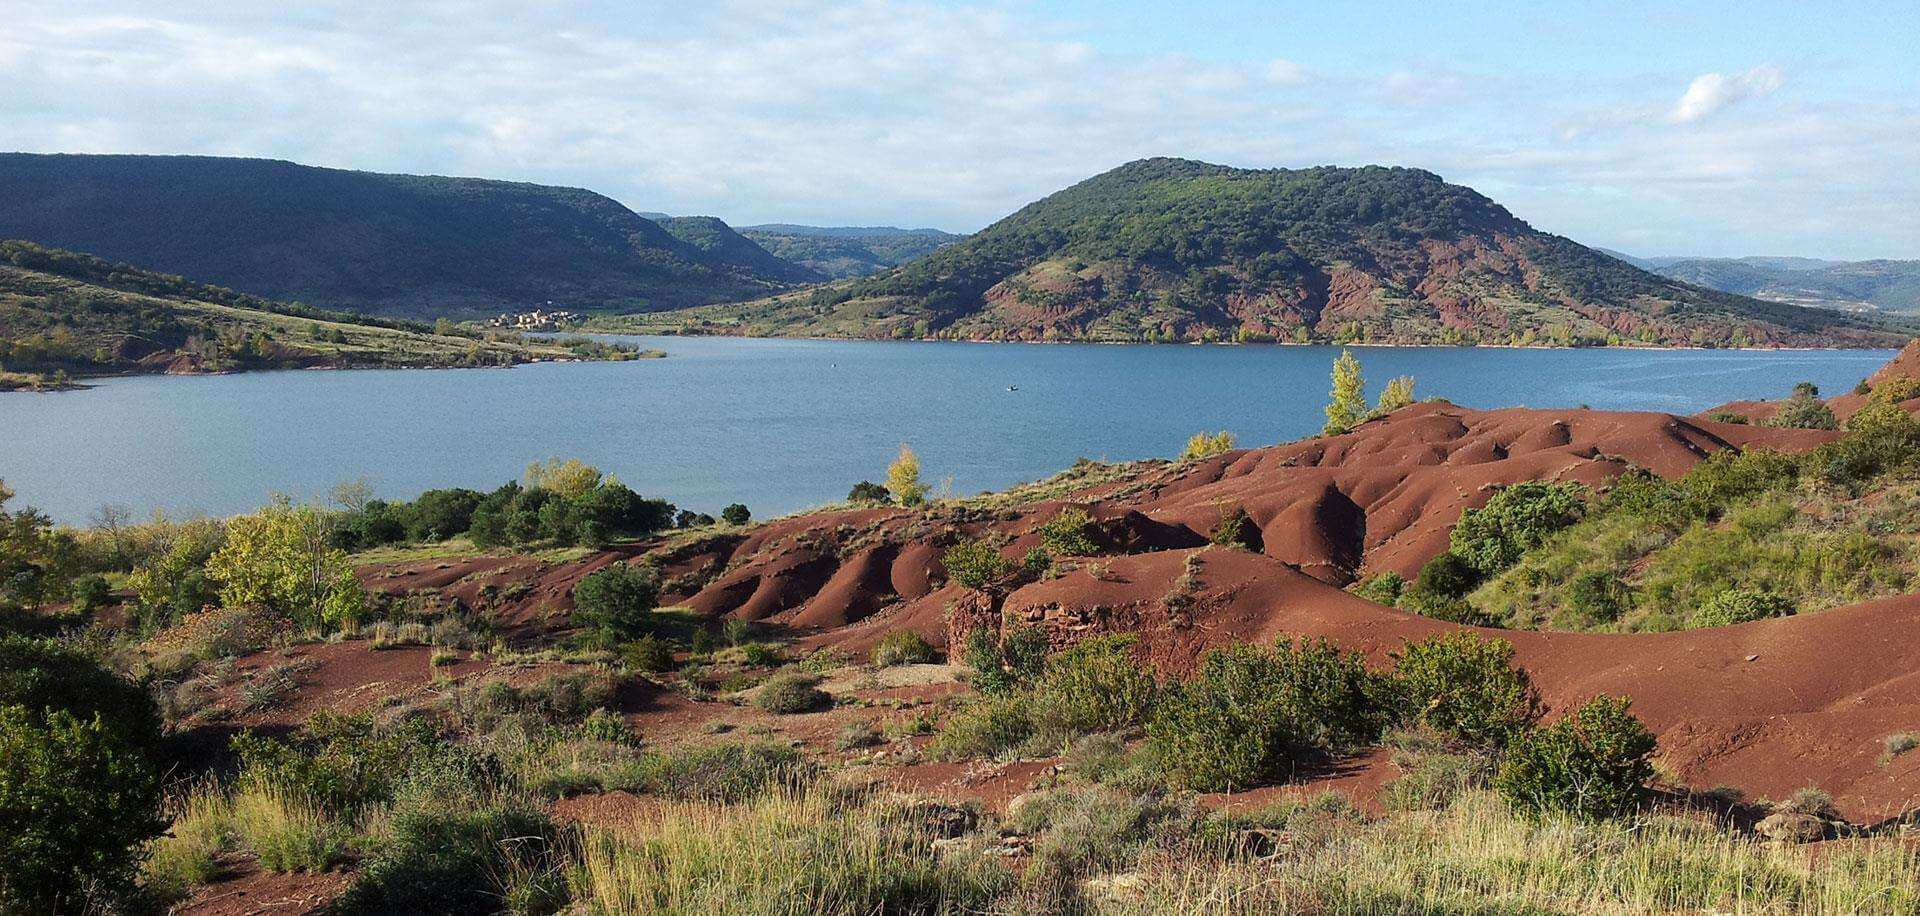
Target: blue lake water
<point>779,424</point>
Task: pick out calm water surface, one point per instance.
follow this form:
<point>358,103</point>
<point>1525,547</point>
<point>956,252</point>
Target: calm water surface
<point>778,424</point>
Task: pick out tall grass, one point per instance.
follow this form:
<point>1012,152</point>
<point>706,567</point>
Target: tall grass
<point>809,853</point>
<point>820,853</point>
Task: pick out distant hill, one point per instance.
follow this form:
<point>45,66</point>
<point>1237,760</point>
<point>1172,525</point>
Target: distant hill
<point>848,251</point>
<point>719,243</point>
<point>1171,249</point>
<point>1856,286</point>
<point>69,314</point>
<point>389,244</point>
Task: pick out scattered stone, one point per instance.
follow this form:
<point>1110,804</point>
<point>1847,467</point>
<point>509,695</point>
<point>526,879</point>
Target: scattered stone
<point>1789,827</point>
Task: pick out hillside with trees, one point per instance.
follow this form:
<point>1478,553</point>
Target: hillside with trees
<point>719,243</point>
<point>1177,250</point>
<point>402,245</point>
<point>843,252</point>
<point>65,315</point>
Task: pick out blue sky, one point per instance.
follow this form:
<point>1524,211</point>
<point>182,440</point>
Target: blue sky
<point>1675,128</point>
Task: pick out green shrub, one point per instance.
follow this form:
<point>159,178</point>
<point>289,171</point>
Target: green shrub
<point>1515,520</point>
<point>1728,475</point>
<point>1235,529</point>
<point>500,857</point>
<point>1728,416</point>
<point>78,803</point>
<point>761,655</point>
<point>616,603</point>
<point>1003,662</point>
<point>1740,605</point>
<point>866,491</point>
<point>606,726</point>
<point>1096,684</point>
<point>1594,763</point>
<point>347,764</point>
<point>1803,411</point>
<point>903,647</point>
<point>736,514</point>
<point>1597,595</point>
<point>91,592</point>
<point>1250,716</point>
<point>1384,588</point>
<point>1447,577</point>
<point>792,692</point>
<point>988,725</point>
<point>42,676</point>
<point>649,653</point>
<point>1068,534</point>
<point>727,771</point>
<point>976,564</point>
<point>1467,687</point>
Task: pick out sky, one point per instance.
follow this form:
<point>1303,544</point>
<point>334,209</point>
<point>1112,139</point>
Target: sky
<point>1653,128</point>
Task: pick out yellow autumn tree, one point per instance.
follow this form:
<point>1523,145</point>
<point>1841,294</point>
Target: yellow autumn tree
<point>1205,445</point>
<point>569,479</point>
<point>903,478</point>
<point>1397,394</point>
<point>1349,403</point>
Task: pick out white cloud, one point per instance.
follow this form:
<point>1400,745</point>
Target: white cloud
<point>1711,93</point>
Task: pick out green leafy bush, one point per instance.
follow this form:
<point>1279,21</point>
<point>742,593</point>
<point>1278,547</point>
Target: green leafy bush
<point>1594,763</point>
<point>903,647</point>
<point>505,856</point>
<point>43,676</point>
<point>868,492</point>
<point>1804,411</point>
<point>1236,529</point>
<point>91,592</point>
<point>736,514</point>
<point>1447,577</point>
<point>1740,605</point>
<point>649,653</point>
<point>792,692</point>
<point>1515,520</point>
<point>78,803</point>
<point>1001,662</point>
<point>616,603</point>
<point>988,725</point>
<point>1251,716</point>
<point>1597,595</point>
<point>1384,588</point>
<point>1096,684</point>
<point>976,564</point>
<point>1467,687</point>
<point>1068,534</point>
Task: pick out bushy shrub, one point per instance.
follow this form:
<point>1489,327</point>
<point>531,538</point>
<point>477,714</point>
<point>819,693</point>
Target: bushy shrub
<point>1235,529</point>
<point>1803,411</point>
<point>505,856</point>
<point>976,564</point>
<point>1597,595</point>
<point>1728,475</point>
<point>903,647</point>
<point>1001,662</point>
<point>41,676</point>
<point>434,515</point>
<point>1068,534</point>
<point>1467,687</point>
<point>1728,416</point>
<point>1882,438</point>
<point>91,592</point>
<point>1205,445</point>
<point>1594,763</point>
<point>1514,521</point>
<point>1740,605</point>
<point>1384,588</point>
<point>736,514</point>
<point>615,604</point>
<point>348,764</point>
<point>792,692</point>
<point>78,802</point>
<point>1094,685</point>
<point>649,653</point>
<point>761,655</point>
<point>868,492</point>
<point>728,771</point>
<point>1447,577</point>
<point>988,725</point>
<point>1251,716</point>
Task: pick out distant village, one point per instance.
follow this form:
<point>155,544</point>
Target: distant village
<point>536,320</point>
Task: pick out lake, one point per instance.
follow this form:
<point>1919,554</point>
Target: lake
<point>779,425</point>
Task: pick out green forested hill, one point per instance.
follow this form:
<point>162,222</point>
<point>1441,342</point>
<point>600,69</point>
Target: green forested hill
<point>721,244</point>
<point>404,245</point>
<point>64,314</point>
<point>1171,249</point>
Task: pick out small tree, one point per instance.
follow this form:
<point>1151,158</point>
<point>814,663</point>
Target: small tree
<point>1235,529</point>
<point>569,479</point>
<point>616,603</point>
<point>1349,404</point>
<point>282,558</point>
<point>866,491</point>
<point>736,514</point>
<point>903,478</point>
<point>1516,520</point>
<point>1066,534</point>
<point>976,564</point>
<point>1592,764</point>
<point>1804,410</point>
<point>1398,394</point>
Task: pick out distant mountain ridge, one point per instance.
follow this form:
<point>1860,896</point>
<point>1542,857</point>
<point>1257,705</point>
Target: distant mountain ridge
<point>409,245</point>
<point>1173,249</point>
<point>1876,285</point>
<point>841,252</point>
